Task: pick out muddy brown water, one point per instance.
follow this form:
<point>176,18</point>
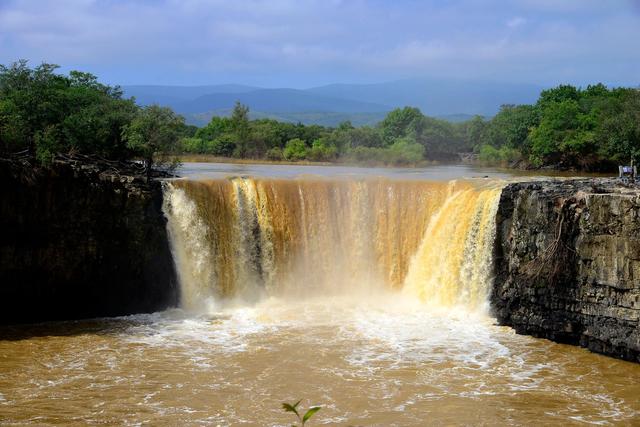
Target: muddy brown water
<point>371,355</point>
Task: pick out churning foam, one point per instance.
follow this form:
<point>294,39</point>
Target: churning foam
<point>243,238</point>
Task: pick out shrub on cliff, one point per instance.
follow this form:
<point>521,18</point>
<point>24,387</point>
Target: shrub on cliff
<point>153,135</point>
<point>45,113</point>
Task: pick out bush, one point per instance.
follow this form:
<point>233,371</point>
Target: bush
<point>322,151</point>
<point>192,145</point>
<point>295,150</point>
<point>405,151</point>
<point>224,145</point>
<point>498,156</point>
<point>368,154</point>
<point>275,153</point>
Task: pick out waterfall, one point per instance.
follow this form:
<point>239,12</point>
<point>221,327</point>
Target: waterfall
<point>245,238</point>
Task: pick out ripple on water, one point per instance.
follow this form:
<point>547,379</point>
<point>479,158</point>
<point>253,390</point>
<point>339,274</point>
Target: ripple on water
<point>383,361</point>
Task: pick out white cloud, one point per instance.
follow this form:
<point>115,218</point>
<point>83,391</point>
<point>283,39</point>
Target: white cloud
<point>516,22</point>
<point>183,40</point>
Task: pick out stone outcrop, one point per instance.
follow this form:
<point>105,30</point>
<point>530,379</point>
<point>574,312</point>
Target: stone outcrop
<point>80,240</point>
<point>568,263</point>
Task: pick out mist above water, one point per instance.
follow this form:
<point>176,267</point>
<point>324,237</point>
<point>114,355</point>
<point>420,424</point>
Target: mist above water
<point>247,238</point>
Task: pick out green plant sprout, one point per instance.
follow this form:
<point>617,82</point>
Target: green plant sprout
<point>294,408</point>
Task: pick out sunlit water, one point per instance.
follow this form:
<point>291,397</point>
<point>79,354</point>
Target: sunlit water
<point>369,355</point>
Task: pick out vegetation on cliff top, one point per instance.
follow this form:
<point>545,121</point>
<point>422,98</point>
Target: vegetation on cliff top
<point>46,113</point>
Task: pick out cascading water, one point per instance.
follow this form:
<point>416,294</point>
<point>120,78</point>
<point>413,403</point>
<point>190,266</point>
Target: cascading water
<point>242,238</point>
<point>364,296</point>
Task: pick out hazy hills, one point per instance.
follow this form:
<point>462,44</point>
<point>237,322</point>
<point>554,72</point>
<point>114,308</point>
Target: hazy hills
<point>332,104</point>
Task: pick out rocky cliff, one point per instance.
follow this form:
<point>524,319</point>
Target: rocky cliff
<point>80,241</point>
<point>568,264</point>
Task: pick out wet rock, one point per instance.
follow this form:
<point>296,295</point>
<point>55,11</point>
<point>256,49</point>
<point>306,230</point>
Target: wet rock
<point>78,240</point>
<point>568,263</point>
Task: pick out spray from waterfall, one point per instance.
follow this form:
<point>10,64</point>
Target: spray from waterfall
<point>245,238</point>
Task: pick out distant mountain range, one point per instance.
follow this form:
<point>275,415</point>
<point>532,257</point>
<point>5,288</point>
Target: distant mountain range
<point>362,104</point>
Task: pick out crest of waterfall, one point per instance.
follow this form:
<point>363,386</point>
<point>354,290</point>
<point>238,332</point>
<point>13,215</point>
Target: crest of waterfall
<point>244,238</point>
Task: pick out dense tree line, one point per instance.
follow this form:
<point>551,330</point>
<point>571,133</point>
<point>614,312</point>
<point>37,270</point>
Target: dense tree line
<point>405,136</point>
<point>590,129</point>
<point>594,128</point>
<point>45,113</point>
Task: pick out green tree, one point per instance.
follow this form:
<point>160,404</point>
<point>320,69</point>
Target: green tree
<point>439,138</point>
<point>364,136</point>
<point>558,125</point>
<point>400,123</point>
<point>406,151</point>
<point>295,150</point>
<point>192,145</point>
<point>154,134</point>
<point>275,153</point>
<point>48,113</point>
<point>217,126</point>
<point>560,93</point>
<point>472,132</point>
<point>618,131</point>
<point>224,145</point>
<point>240,126</point>
<point>322,150</point>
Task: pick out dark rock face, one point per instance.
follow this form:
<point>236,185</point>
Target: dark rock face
<point>568,264</point>
<point>78,242</point>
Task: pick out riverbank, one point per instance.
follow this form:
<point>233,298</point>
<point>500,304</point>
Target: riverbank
<point>568,263</point>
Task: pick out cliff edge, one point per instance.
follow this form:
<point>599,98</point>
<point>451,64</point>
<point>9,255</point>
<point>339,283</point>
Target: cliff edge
<point>81,240</point>
<point>568,263</point>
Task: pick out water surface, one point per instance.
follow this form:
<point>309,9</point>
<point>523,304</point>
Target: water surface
<point>386,361</point>
<point>360,290</point>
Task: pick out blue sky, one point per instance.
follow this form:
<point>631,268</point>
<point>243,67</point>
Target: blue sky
<point>303,43</point>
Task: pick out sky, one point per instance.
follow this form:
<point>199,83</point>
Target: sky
<point>306,43</point>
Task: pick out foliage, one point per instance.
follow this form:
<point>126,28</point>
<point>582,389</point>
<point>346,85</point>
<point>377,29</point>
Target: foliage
<point>498,156</point>
<point>215,128</point>
<point>406,151</point>
<point>275,153</point>
<point>322,150</point>
<point>153,134</point>
<point>400,123</point>
<point>240,127</point>
<point>591,129</point>
<point>46,113</point>
<point>404,137</point>
<point>192,145</point>
<point>295,150</point>
<point>293,408</point>
<point>510,126</point>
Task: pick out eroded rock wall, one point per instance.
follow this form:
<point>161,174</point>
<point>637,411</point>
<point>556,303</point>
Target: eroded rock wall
<point>568,263</point>
<point>78,242</point>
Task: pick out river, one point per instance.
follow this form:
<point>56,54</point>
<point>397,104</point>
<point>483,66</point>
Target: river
<point>360,290</point>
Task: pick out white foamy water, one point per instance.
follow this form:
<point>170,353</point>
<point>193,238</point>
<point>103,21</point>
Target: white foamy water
<point>365,296</point>
<point>386,360</point>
